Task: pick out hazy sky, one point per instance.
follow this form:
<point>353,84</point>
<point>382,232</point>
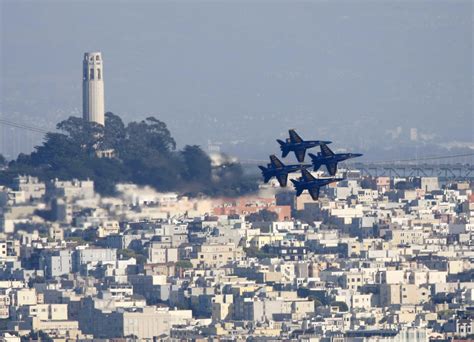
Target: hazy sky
<point>243,72</point>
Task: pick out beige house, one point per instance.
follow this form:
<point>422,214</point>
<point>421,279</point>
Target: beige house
<point>216,255</point>
<point>395,294</point>
<point>48,312</point>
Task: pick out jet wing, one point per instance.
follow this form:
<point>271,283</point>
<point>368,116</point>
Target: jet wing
<point>332,168</point>
<point>276,162</point>
<point>307,176</point>
<point>314,192</point>
<point>282,179</point>
<point>326,151</point>
<point>294,137</point>
<point>300,155</point>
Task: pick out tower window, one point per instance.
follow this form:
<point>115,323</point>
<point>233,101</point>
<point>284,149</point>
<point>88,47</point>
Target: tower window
<point>91,75</point>
<point>99,76</point>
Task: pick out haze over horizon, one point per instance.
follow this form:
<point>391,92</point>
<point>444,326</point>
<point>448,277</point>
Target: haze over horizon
<point>239,74</point>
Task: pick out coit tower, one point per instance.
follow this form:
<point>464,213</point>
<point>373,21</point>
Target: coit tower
<point>93,87</point>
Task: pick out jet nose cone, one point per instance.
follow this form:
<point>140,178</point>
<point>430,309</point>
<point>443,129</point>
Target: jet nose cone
<point>327,142</point>
<point>355,155</point>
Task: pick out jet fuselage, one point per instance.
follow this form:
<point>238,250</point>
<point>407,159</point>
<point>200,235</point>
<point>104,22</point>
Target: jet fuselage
<point>318,182</point>
<point>285,169</point>
<point>336,158</point>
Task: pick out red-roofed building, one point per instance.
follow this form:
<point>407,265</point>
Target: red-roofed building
<point>250,205</point>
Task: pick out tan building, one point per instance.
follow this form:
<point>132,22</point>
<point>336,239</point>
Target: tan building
<point>361,301</point>
<point>70,189</point>
<point>222,307</point>
<point>57,328</point>
<point>162,255</point>
<point>429,183</point>
<point>55,232</point>
<point>264,239</point>
<point>216,255</point>
<point>352,280</point>
<point>108,228</point>
<point>25,297</point>
<point>395,294</point>
<point>4,306</point>
<point>143,323</point>
<point>48,312</point>
<point>3,250</point>
<point>408,236</point>
<point>30,186</point>
<point>383,184</point>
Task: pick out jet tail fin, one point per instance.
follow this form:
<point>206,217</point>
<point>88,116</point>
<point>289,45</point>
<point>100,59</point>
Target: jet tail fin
<point>284,149</point>
<point>265,175</point>
<point>299,189</point>
<point>316,166</point>
<point>315,160</point>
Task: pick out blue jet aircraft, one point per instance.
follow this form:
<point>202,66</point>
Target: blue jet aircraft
<point>308,182</point>
<point>297,145</point>
<point>279,170</point>
<point>330,159</point>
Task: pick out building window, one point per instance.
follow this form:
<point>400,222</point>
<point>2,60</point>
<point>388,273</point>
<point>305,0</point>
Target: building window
<point>91,74</point>
<point>99,76</point>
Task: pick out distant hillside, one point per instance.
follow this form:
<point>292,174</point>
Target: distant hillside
<point>142,153</point>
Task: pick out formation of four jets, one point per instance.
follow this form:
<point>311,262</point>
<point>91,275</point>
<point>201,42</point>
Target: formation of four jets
<point>306,182</point>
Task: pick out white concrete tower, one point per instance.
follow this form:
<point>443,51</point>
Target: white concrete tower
<point>93,108</point>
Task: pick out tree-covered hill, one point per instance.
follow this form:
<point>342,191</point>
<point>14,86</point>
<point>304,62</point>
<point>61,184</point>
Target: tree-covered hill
<point>144,153</point>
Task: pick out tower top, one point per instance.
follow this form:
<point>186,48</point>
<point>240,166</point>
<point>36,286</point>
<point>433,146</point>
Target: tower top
<point>91,56</point>
<point>93,87</point>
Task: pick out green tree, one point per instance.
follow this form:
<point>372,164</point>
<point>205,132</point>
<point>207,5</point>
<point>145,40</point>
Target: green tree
<point>148,148</point>
<point>126,253</point>
<point>231,181</point>
<point>87,135</point>
<point>184,264</point>
<point>197,164</point>
<point>148,136</point>
<point>114,132</point>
